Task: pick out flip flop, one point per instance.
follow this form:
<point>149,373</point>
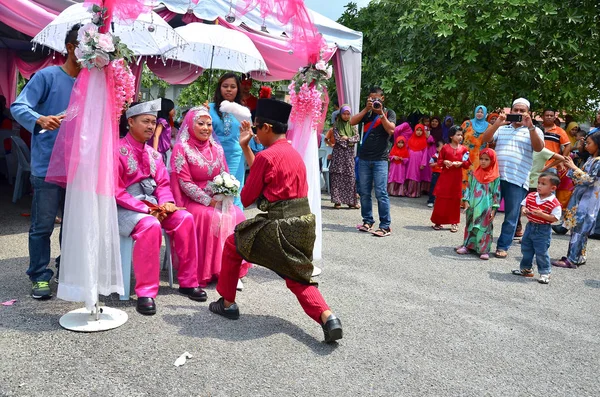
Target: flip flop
<point>501,254</point>
<point>436,227</point>
<point>382,232</point>
<point>365,227</point>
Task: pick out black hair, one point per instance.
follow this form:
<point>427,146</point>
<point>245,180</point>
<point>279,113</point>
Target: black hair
<point>548,109</point>
<point>438,143</point>
<point>596,138</point>
<point>554,179</point>
<point>277,127</point>
<point>453,130</point>
<point>376,90</point>
<point>71,37</point>
<point>218,98</point>
<point>166,105</point>
<point>425,117</point>
<point>123,123</point>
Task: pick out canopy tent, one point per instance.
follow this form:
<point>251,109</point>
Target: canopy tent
<point>22,19</point>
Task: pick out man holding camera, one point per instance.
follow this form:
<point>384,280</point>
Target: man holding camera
<point>516,139</point>
<point>378,125</point>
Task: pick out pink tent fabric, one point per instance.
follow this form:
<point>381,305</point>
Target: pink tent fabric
<point>25,16</point>
<point>8,75</point>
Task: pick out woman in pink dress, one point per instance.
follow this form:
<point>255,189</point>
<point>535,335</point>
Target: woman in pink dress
<point>196,160</point>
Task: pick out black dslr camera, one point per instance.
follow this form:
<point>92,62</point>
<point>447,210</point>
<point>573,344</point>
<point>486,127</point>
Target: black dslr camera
<point>377,104</point>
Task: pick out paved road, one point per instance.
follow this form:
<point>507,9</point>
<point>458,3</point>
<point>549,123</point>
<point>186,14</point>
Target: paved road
<point>418,321</point>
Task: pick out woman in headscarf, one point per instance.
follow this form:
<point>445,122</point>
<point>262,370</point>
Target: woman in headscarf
<point>472,139</point>
<point>343,137</point>
<point>572,129</point>
<point>196,160</point>
<point>436,131</point>
<point>227,128</point>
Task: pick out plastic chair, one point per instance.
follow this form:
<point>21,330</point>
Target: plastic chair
<point>126,248</point>
<point>323,157</point>
<point>23,168</point>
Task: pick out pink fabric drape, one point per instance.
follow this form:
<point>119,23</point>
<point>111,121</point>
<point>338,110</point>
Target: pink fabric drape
<point>8,75</point>
<point>25,16</point>
<point>337,72</point>
<point>29,68</point>
<point>174,72</point>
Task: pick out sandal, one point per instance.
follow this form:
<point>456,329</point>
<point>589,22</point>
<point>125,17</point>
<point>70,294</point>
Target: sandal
<point>454,228</point>
<point>381,232</point>
<point>366,227</point>
<point>337,206</point>
<point>523,272</point>
<point>564,262</point>
<point>484,257</point>
<point>501,254</point>
<point>436,227</point>
<point>462,251</point>
<point>354,207</point>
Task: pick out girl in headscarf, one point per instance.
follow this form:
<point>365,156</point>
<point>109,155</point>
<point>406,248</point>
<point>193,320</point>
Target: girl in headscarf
<point>473,140</point>
<point>417,161</point>
<point>436,130</point>
<point>342,182</point>
<point>446,125</point>
<point>197,159</point>
<point>481,201</point>
<point>397,172</point>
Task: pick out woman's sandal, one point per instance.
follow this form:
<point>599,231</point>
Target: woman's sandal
<point>366,227</point>
<point>337,206</point>
<point>354,207</point>
<point>454,228</point>
<point>382,232</point>
<point>501,254</point>
<point>436,227</point>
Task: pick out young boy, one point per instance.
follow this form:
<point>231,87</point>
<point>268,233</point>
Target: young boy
<point>282,239</point>
<point>542,208</point>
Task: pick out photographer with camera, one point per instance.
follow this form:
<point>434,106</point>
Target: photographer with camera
<point>378,125</point>
<point>516,139</point>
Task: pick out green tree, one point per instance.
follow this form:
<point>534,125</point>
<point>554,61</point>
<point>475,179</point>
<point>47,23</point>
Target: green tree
<point>439,56</point>
<point>150,80</point>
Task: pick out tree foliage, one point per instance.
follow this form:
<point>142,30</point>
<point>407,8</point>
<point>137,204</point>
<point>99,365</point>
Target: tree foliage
<point>440,56</point>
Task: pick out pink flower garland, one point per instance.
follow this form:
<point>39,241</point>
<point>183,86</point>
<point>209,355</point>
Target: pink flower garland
<point>124,86</point>
<point>306,103</point>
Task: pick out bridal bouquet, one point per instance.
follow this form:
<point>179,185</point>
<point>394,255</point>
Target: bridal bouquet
<point>225,184</point>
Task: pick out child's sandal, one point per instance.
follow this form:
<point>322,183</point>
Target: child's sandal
<point>523,272</point>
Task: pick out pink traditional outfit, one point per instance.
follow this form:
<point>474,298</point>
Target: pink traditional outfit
<point>143,176</point>
<point>195,163</point>
<point>397,171</point>
<point>416,182</point>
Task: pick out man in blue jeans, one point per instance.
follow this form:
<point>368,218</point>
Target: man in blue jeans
<point>515,144</point>
<point>38,108</point>
<point>378,125</point>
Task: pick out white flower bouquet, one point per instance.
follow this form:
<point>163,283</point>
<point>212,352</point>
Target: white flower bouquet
<point>225,184</point>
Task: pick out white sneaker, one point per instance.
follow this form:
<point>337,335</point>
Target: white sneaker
<point>544,279</point>
<point>316,271</point>
<point>240,285</point>
<point>430,205</point>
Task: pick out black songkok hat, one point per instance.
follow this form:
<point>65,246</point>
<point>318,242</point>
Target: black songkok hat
<point>273,109</point>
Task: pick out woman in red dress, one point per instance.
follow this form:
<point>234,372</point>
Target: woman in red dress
<point>448,190</point>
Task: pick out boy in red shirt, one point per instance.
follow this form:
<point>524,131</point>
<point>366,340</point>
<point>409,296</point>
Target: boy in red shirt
<point>542,208</point>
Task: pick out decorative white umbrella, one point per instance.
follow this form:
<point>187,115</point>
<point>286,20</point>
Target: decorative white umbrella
<point>149,34</point>
<point>216,47</point>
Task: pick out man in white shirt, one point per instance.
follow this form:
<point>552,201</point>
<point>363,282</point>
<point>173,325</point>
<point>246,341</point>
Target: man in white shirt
<point>515,144</point>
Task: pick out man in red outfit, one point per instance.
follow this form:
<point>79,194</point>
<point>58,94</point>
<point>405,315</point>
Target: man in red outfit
<point>282,239</point>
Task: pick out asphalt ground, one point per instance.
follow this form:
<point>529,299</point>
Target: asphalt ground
<point>418,319</point>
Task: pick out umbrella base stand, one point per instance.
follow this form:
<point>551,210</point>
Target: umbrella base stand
<point>82,320</point>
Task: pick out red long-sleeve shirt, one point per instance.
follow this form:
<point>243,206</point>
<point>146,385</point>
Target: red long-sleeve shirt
<point>278,173</point>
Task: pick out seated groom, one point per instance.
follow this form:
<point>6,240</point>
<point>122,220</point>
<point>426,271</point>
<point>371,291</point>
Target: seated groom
<point>145,206</point>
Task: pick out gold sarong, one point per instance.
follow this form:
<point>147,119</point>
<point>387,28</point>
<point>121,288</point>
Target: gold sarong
<point>282,239</point>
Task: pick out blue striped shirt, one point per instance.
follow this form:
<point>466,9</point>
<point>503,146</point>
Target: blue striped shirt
<point>515,154</point>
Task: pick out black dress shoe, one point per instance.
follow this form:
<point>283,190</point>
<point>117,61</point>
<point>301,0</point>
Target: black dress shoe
<point>195,294</point>
<point>332,329</point>
<point>146,306</point>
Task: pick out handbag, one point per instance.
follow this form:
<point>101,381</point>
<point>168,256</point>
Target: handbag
<point>356,159</point>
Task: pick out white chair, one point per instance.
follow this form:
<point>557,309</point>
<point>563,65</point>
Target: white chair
<point>126,263</point>
<point>323,157</point>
